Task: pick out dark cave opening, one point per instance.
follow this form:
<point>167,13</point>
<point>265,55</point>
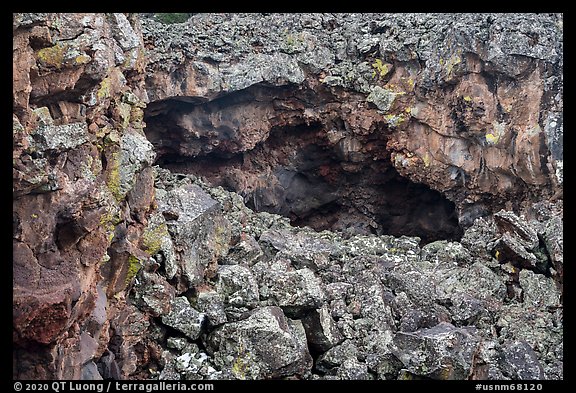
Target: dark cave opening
<point>348,186</point>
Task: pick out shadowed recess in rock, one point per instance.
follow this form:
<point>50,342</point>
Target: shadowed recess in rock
<point>265,145</point>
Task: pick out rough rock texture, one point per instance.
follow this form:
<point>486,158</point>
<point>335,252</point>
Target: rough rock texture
<point>365,306</point>
<point>332,119</point>
<point>265,344</point>
<point>430,146</point>
<point>78,151</point>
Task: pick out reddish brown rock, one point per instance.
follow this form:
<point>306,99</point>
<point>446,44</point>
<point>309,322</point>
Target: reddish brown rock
<point>67,208</point>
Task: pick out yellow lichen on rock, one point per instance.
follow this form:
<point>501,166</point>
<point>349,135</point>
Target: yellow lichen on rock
<point>52,56</point>
<point>452,62</point>
<point>104,89</point>
<point>82,59</point>
<point>426,160</point>
<point>113,181</point>
<point>239,368</point>
<point>134,266</point>
<point>61,55</point>
<point>380,69</point>
<point>492,139</point>
<point>493,136</point>
<point>152,238</point>
<point>394,120</point>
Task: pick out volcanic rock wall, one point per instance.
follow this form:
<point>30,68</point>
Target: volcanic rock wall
<point>467,104</point>
<point>82,188</point>
<point>447,127</point>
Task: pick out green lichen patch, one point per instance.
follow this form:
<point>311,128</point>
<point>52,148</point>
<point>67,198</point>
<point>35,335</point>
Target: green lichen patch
<point>452,62</point>
<point>113,181</point>
<point>380,69</point>
<point>382,98</point>
<point>52,56</point>
<point>105,258</point>
<point>43,116</point>
<point>152,238</point>
<point>426,159</point>
<point>108,221</point>
<point>90,168</point>
<point>240,365</point>
<point>62,55</point>
<point>112,137</point>
<point>239,368</point>
<point>493,136</point>
<point>131,99</point>
<point>410,82</point>
<point>292,42</point>
<point>134,266</point>
<point>103,91</point>
<point>110,218</point>
<point>136,117</point>
<point>82,59</point>
<point>124,111</point>
<point>395,120</point>
<point>111,85</point>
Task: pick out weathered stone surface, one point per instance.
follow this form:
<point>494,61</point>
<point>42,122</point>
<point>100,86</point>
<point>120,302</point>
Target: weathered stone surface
<point>538,291</point>
<point>519,361</point>
<point>136,153</point>
<point>153,294</point>
<point>519,243</point>
<point>130,330</point>
<point>212,305</point>
<point>264,345</point>
<point>68,207</point>
<point>156,241</point>
<point>88,347</point>
<point>246,252</point>
<point>446,253</point>
<point>90,372</point>
<point>295,291</point>
<point>60,138</point>
<point>199,232</point>
<point>336,356</point>
<point>321,330</point>
<point>237,285</point>
<point>107,366</point>
<point>302,251</point>
<point>352,369</point>
<point>184,318</point>
<point>441,352</point>
<point>539,329</point>
<point>456,122</point>
<point>191,363</point>
<point>549,223</point>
